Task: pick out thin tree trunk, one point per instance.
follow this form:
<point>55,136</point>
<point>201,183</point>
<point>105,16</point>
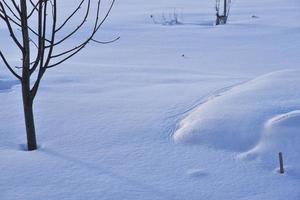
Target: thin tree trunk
<point>26,93</point>
<point>225,8</point>
<point>29,119</point>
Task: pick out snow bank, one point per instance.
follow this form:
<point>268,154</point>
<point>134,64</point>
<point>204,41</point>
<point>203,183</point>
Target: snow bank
<point>259,117</point>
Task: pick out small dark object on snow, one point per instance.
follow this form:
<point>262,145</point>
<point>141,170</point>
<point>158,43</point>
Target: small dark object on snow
<point>281,169</point>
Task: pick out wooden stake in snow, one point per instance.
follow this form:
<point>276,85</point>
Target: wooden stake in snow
<point>281,170</point>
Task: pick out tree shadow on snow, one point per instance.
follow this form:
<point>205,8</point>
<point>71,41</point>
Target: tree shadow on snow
<point>103,171</point>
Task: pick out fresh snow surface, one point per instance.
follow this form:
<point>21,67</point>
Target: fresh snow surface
<point>138,120</point>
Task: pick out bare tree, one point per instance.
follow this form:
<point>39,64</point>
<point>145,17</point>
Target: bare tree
<point>223,9</point>
<point>33,28</point>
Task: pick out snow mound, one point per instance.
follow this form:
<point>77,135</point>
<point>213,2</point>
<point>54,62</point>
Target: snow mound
<point>281,134</point>
<point>237,118</point>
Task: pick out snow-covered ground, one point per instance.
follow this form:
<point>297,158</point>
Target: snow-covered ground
<point>137,120</point>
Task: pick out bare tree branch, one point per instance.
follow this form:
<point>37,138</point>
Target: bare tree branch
<point>105,42</point>
<point>78,48</point>
<point>40,39</point>
<point>9,67</point>
<point>16,6</point>
<point>75,30</point>
<point>70,16</point>
<point>34,8</point>
<point>11,10</point>
<point>7,21</point>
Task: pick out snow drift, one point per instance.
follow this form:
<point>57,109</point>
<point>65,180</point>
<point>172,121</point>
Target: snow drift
<point>260,118</point>
<point>281,133</point>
